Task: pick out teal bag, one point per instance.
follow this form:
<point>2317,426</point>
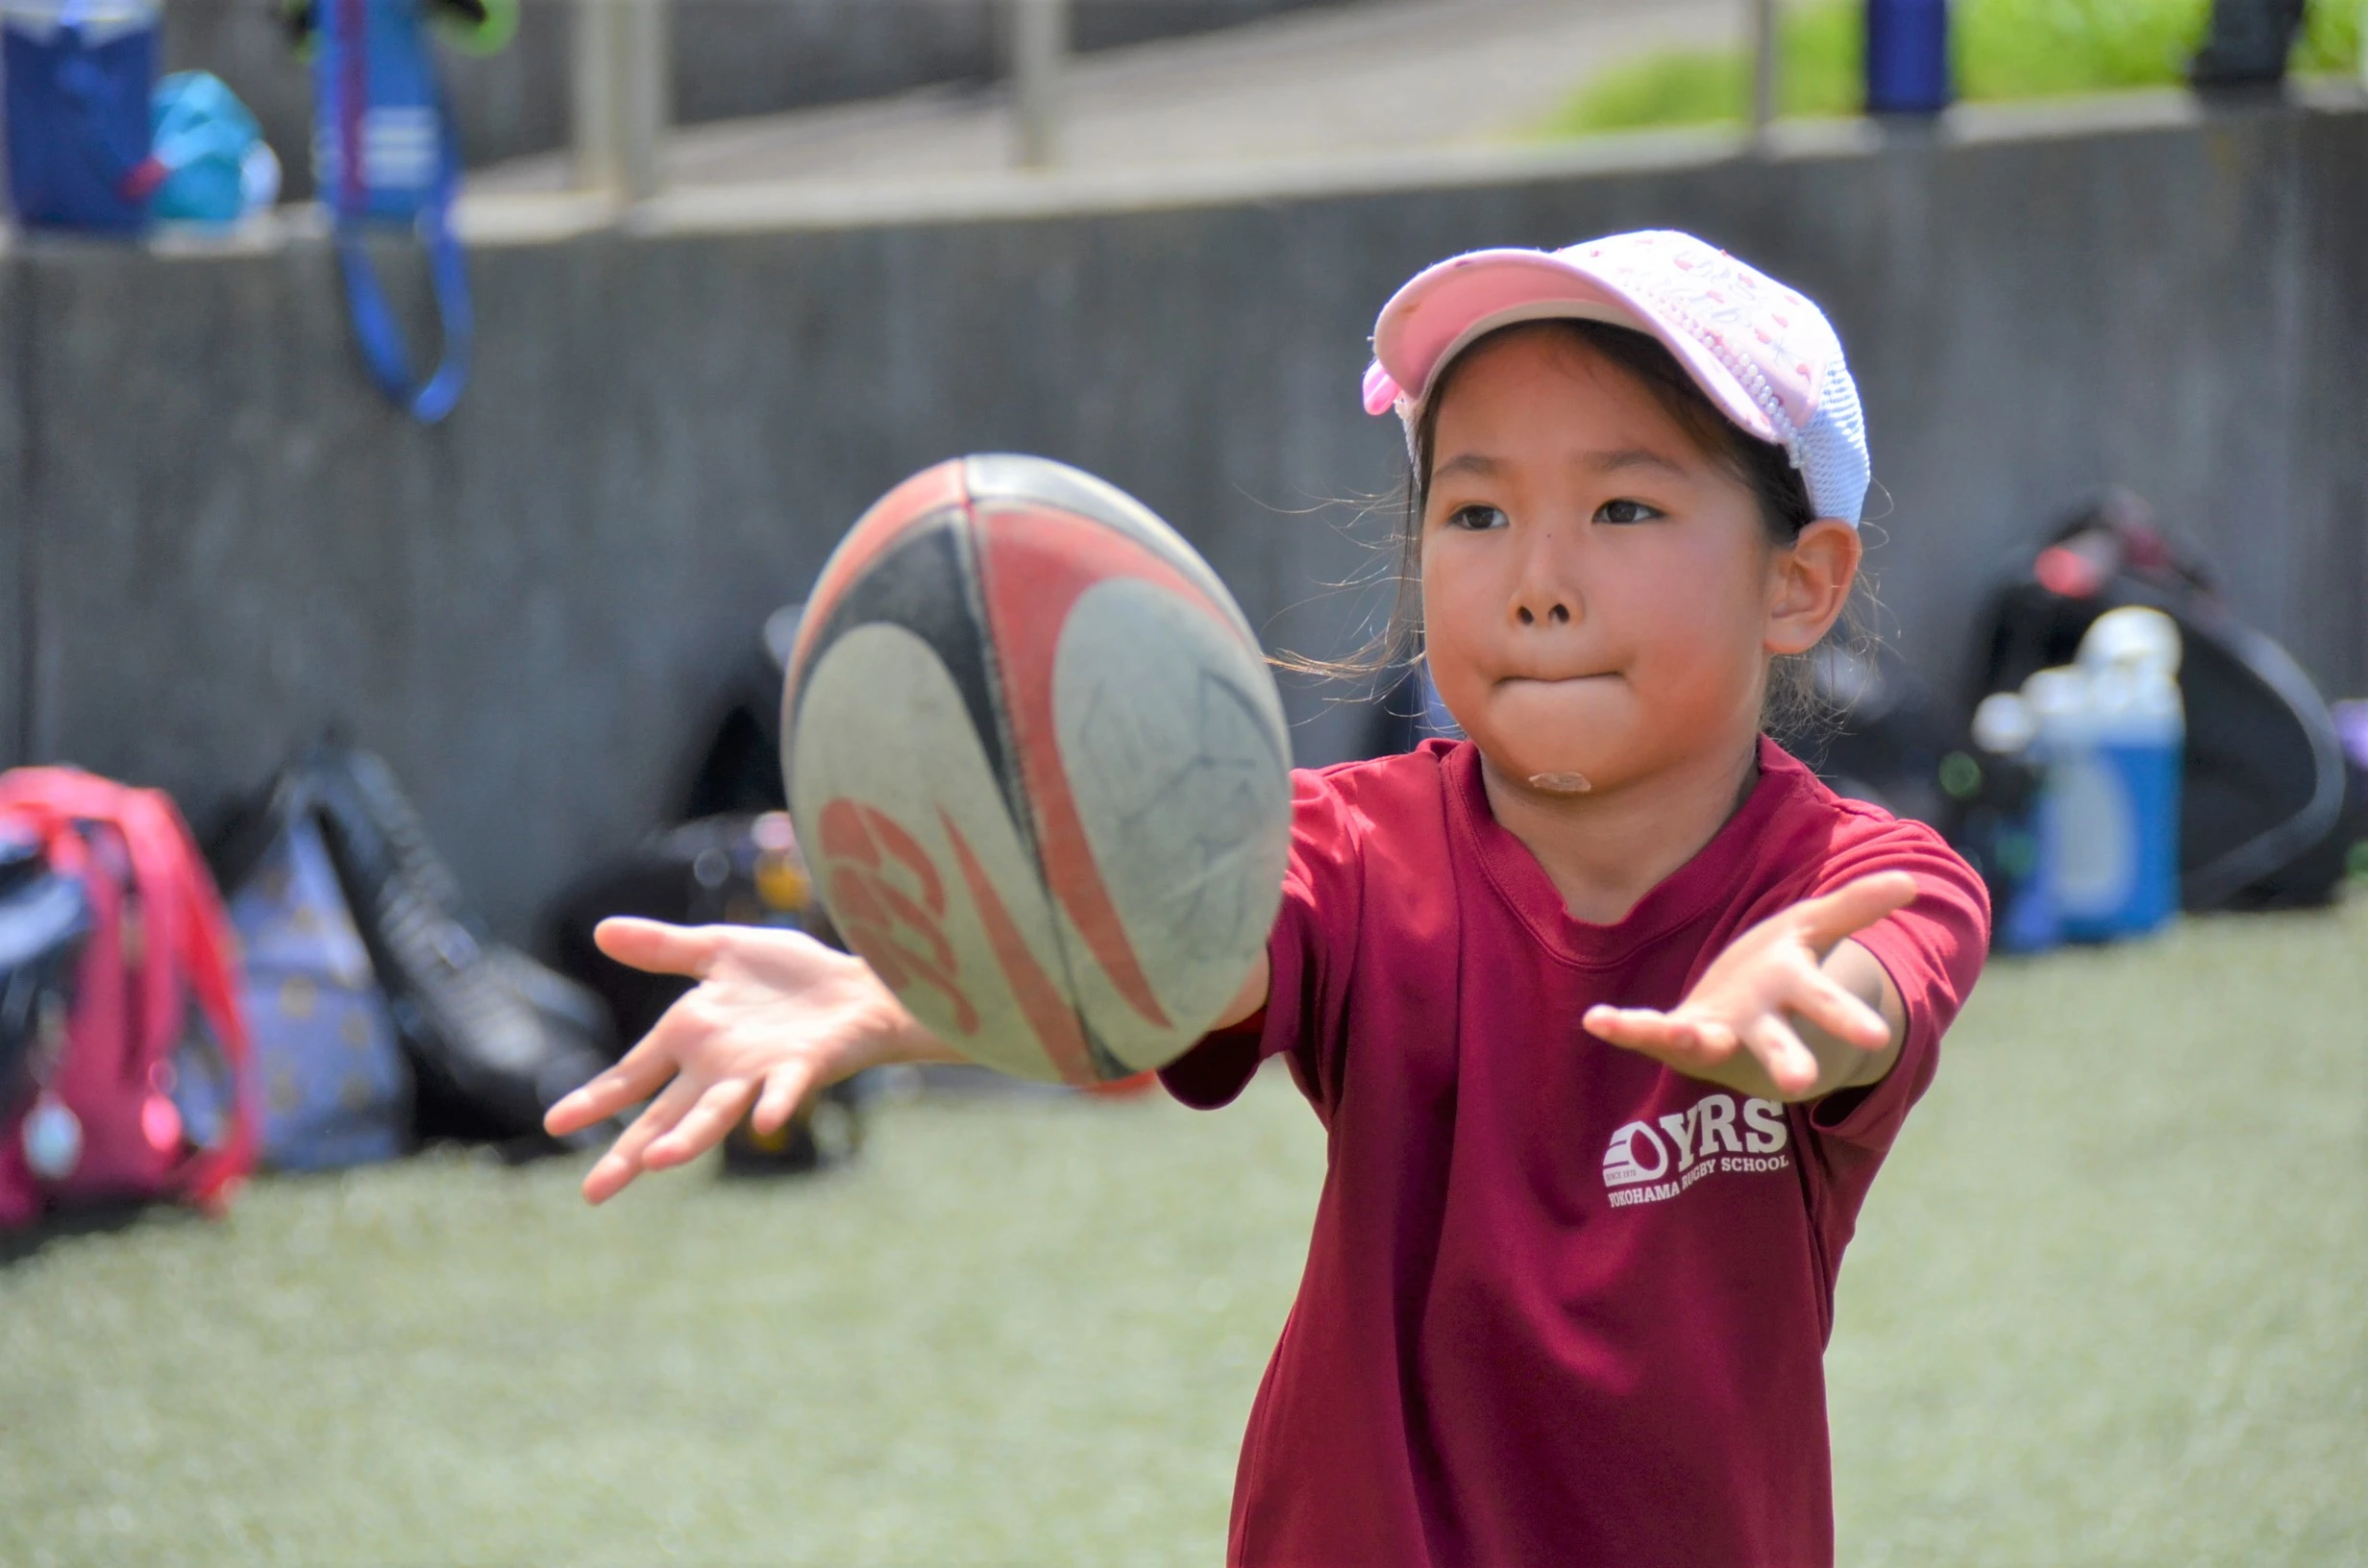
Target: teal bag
<point>217,166</point>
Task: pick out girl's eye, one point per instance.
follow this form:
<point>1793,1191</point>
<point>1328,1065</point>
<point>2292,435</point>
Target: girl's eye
<point>1625,511</point>
<point>1477,518</point>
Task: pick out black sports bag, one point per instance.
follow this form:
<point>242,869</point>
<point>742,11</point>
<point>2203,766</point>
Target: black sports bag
<point>2269,806</point>
<point>493,1037</point>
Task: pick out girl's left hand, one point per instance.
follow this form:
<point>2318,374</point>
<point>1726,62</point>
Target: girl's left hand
<point>1791,1010</point>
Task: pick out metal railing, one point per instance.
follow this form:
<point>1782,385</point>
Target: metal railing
<point>621,96</point>
<point>621,102</point>
<point>1039,48</point>
<point>1763,68</point>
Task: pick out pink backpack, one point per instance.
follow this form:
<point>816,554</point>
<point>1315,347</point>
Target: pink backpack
<point>135,1084</point>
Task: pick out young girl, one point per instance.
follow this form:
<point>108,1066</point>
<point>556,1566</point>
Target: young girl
<point>1610,1012</point>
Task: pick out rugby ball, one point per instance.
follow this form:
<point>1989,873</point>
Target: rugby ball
<point>1039,767</point>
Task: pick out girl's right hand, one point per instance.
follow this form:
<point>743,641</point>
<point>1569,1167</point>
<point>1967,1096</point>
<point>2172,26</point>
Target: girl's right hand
<point>775,1016</point>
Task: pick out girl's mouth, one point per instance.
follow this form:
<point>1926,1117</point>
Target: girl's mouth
<point>1557,680</point>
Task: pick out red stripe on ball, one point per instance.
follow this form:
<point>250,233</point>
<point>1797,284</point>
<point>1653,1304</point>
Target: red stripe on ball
<point>1034,566</point>
<point>1040,1000</point>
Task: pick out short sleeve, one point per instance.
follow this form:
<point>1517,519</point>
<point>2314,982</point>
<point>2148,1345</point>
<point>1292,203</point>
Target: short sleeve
<point>1308,959</point>
<point>1933,950</point>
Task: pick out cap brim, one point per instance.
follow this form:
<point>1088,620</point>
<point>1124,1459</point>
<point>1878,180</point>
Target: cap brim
<point>1443,308</point>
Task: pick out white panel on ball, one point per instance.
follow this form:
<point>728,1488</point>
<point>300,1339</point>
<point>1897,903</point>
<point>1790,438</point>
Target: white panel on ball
<point>1174,746</point>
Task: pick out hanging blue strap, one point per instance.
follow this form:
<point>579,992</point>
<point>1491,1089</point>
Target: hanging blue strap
<point>347,72</point>
<point>381,340</point>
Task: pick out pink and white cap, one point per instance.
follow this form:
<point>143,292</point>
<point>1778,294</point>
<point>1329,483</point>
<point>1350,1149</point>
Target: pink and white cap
<point>1763,354</point>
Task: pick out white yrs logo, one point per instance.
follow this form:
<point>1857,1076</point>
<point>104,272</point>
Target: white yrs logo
<point>1646,1162</point>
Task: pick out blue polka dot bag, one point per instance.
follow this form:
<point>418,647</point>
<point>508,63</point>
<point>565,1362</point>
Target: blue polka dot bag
<point>336,1087</point>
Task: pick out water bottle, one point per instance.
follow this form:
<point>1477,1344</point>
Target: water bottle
<point>1906,57</point>
<point>2132,656</point>
<point>2112,733</point>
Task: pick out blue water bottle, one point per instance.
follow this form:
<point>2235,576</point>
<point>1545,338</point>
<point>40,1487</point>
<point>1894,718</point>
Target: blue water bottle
<point>2112,736</point>
<point>1906,57</point>
<point>2138,728</point>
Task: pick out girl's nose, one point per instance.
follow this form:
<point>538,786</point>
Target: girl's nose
<point>1545,592</point>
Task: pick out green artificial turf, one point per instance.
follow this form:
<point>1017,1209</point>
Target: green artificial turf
<point>2002,49</point>
<point>2108,1305</point>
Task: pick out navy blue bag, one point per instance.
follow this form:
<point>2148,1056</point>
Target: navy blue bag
<point>78,76</point>
<point>335,1088</point>
<point>385,155</point>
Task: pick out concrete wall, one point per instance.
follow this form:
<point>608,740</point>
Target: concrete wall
<point>530,608</point>
<point>732,57</point>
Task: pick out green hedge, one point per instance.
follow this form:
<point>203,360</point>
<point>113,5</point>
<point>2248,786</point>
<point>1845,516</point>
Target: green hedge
<point>2004,49</point>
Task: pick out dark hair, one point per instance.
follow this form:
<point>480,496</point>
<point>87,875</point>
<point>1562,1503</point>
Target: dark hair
<point>1792,708</point>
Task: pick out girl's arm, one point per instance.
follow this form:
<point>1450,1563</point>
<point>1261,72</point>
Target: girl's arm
<point>1792,1010</point>
<point>775,1017</point>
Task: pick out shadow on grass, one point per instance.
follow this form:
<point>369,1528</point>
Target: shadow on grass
<point>110,1219</point>
<point>106,1219</point>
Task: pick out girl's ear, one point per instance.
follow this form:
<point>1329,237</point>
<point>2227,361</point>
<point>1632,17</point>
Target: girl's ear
<point>1810,583</point>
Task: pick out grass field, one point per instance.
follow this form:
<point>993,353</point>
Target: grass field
<point>2000,50</point>
<point>2108,1305</point>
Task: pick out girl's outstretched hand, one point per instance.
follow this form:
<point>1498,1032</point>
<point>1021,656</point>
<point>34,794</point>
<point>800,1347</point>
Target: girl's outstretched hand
<point>1791,1010</point>
<point>775,1017</point>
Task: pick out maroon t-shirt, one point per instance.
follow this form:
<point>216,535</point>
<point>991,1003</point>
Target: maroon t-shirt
<point>1563,1304</point>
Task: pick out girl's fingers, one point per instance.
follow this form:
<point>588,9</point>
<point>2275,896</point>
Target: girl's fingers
<point>1637,1028</point>
<point>1780,1051</point>
<point>702,1126</point>
<point>1674,1038</point>
<point>642,1073</point>
<point>1716,1039</point>
<point>617,1169</point>
<point>785,1089</point>
<point>659,947</point>
<point>1823,1002</point>
<point>1853,907</point>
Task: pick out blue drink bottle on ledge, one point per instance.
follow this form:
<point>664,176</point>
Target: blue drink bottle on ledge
<point>1906,57</point>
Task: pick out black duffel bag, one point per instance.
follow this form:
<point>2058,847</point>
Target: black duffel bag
<point>2270,806</point>
<point>493,1037</point>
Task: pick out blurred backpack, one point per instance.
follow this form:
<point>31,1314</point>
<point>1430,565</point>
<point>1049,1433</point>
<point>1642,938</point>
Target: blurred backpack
<point>494,1039</point>
<point>335,1088</point>
<point>740,773</point>
<point>77,76</point>
<point>123,1055</point>
<point>44,926</point>
<point>2270,805</point>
